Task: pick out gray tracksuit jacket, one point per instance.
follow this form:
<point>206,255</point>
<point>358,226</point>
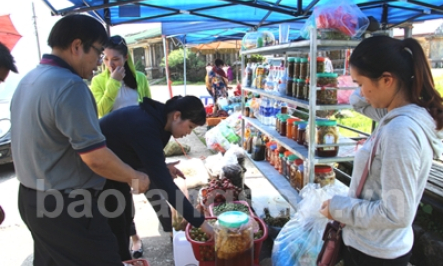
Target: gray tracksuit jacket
<point>379,222</point>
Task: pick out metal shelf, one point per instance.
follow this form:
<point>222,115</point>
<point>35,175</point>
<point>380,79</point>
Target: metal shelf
<point>299,150</point>
<point>279,182</point>
<point>304,45</point>
<point>298,102</point>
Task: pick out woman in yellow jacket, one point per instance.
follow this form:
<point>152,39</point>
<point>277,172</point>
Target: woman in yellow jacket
<point>119,85</point>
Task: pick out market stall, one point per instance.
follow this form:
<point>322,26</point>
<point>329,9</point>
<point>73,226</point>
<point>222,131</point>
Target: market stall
<point>221,20</point>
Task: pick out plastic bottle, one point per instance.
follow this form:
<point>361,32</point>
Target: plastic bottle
<point>248,75</point>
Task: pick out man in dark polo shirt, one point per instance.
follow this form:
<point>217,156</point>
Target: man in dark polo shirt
<point>60,154</point>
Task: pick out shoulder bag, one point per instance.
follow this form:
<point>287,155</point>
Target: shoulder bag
<point>330,251</point>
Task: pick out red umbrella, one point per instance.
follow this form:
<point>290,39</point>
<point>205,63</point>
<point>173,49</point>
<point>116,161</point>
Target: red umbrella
<point>9,36</point>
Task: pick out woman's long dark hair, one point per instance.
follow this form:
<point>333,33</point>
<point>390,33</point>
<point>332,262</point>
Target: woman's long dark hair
<point>119,44</point>
<point>405,60</point>
<point>190,108</point>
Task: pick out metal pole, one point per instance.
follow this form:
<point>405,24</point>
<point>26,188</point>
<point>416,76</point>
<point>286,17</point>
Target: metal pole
<point>312,103</point>
<point>184,63</point>
<point>34,19</point>
<point>168,82</point>
<point>243,102</point>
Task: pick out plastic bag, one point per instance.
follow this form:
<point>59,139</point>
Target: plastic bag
<point>216,141</point>
<point>343,95</point>
<point>343,16</point>
<point>235,173</point>
<point>300,240</point>
<point>195,172</point>
<point>173,148</point>
<point>213,165</point>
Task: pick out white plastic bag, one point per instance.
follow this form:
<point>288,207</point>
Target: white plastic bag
<point>300,240</point>
<point>195,172</point>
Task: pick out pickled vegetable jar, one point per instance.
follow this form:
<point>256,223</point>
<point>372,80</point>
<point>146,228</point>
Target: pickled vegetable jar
<point>327,96</point>
<point>327,133</point>
<point>324,175</point>
<point>320,64</point>
<point>303,68</point>
<point>291,65</point>
<point>234,240</point>
<point>297,67</point>
<point>327,80</point>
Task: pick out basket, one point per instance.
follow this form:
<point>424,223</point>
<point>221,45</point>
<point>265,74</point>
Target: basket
<point>197,247</point>
<point>212,205</point>
<point>145,262</point>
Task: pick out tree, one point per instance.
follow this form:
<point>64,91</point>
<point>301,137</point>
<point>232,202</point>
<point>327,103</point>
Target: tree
<point>195,65</point>
<point>139,66</point>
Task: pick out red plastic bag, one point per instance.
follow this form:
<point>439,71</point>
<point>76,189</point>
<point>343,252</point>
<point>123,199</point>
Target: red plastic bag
<point>343,16</point>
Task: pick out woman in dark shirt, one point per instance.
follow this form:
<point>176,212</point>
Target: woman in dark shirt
<point>137,135</point>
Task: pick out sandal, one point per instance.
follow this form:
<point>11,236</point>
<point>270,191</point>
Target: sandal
<point>137,253</point>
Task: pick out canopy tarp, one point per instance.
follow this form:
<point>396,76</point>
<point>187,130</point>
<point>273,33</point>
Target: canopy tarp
<point>243,13</point>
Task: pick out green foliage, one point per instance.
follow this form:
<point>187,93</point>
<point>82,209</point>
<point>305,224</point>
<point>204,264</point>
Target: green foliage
<point>351,118</point>
<point>139,66</point>
<point>438,79</point>
<point>256,58</point>
<point>195,65</point>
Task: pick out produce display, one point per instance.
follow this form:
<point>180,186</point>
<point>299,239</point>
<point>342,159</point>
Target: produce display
<point>218,191</point>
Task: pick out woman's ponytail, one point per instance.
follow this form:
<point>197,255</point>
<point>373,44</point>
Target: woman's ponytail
<point>423,92</point>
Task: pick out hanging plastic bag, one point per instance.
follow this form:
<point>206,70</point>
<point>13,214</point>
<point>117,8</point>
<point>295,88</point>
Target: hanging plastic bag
<point>300,240</point>
<point>343,16</point>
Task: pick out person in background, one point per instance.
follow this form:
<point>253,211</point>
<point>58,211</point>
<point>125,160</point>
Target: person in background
<point>138,135</point>
<point>7,64</point>
<point>119,85</point>
<point>217,81</point>
<point>396,90</point>
<point>58,149</point>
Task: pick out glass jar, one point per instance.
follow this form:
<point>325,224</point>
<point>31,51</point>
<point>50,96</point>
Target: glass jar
<point>306,91</point>
<point>327,96</point>
<point>283,109</point>
<point>295,130</point>
<point>289,124</point>
<point>282,169</point>
<point>301,132</point>
<point>320,64</point>
<point>289,87</point>
<point>327,133</point>
<point>303,68</point>
<point>276,159</point>
<point>277,122</point>
<point>283,125</point>
<point>327,80</point>
<point>272,148</point>
<point>324,175</point>
<point>300,177</point>
<point>294,87</point>
<point>290,67</point>
<point>300,91</point>
<point>293,174</point>
<point>234,239</point>
<point>297,68</point>
<point>289,162</point>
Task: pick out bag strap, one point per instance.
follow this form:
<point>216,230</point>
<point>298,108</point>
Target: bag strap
<point>365,173</point>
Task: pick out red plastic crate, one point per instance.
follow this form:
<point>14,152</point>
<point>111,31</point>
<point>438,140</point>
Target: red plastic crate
<point>145,262</point>
<point>212,205</point>
<point>196,245</point>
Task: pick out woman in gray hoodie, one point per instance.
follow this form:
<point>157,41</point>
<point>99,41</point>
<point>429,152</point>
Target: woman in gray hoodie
<point>396,90</point>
